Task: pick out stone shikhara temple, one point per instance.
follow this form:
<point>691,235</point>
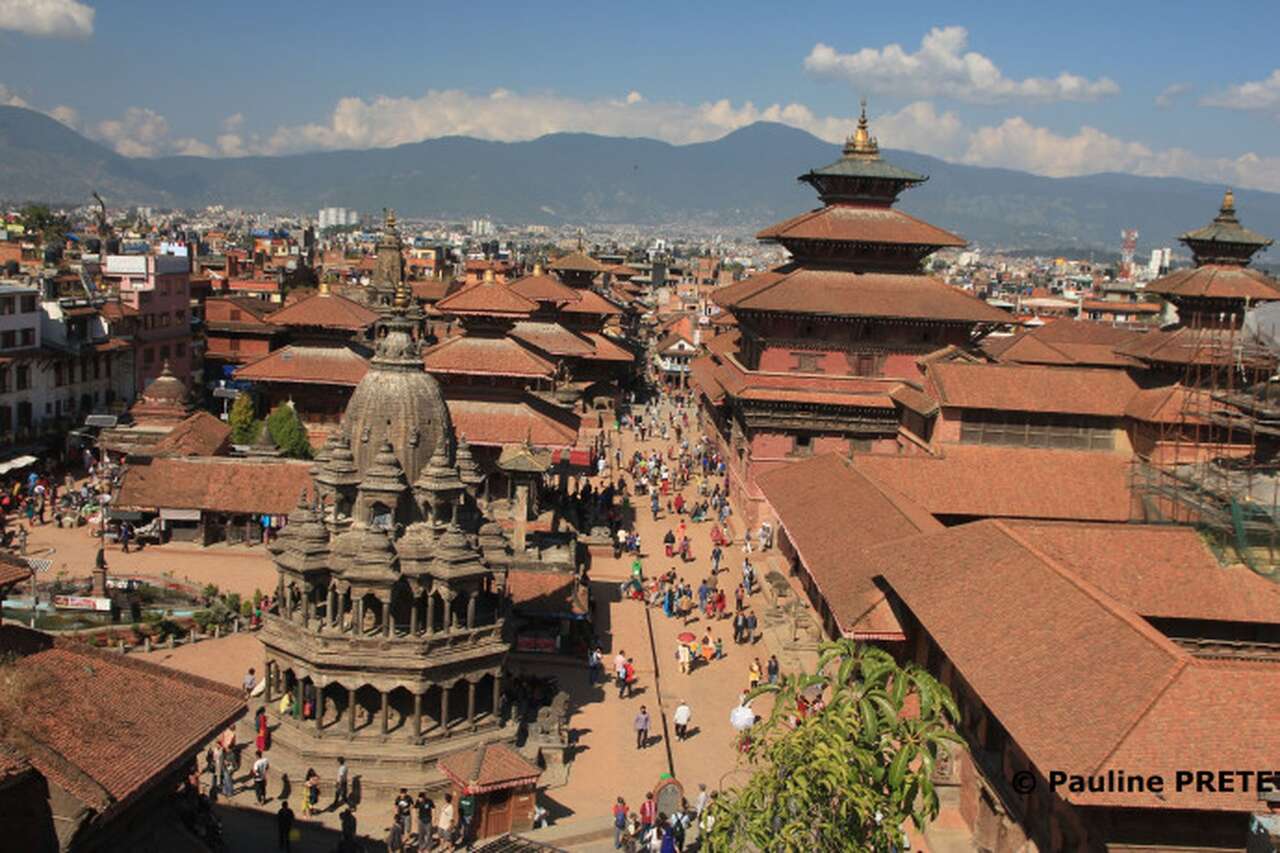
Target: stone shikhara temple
<point>389,632</point>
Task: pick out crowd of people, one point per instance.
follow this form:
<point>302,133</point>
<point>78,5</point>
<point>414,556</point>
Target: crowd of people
<point>645,828</point>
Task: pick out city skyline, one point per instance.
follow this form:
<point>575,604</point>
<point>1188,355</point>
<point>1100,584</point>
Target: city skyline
<point>1143,89</point>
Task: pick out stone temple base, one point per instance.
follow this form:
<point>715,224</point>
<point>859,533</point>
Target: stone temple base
<point>383,764</point>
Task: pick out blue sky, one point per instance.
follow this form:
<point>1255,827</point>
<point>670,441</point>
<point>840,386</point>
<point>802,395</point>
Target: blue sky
<point>1146,87</point>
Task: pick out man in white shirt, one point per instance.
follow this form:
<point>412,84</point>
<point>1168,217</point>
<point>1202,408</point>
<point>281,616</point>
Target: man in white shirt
<point>681,717</point>
<point>444,821</point>
<point>260,768</point>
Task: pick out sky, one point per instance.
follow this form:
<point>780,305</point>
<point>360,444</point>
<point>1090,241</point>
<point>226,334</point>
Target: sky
<point>1146,87</point>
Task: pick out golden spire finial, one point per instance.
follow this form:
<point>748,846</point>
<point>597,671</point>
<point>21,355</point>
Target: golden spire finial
<point>389,218</point>
<point>402,295</point>
<point>862,144</point>
<point>537,267</point>
<point>324,287</point>
<point>488,274</point>
<point>1228,200</point>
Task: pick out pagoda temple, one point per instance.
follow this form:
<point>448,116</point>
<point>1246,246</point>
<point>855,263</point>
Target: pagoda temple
<point>388,265</point>
<point>825,356</point>
<point>390,633</point>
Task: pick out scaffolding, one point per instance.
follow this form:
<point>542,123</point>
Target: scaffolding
<point>1215,465</point>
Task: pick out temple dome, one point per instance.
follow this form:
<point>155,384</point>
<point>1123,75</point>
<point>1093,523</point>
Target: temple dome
<point>397,401</point>
<point>163,401</point>
<point>166,388</point>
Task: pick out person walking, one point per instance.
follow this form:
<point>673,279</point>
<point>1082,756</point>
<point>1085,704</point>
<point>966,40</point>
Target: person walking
<point>773,669</point>
<point>620,671</point>
<point>395,834</point>
<point>751,627</point>
<point>641,725</point>
<point>340,784</point>
<point>424,807</point>
<point>595,658</point>
<point>648,813</point>
<point>311,792</point>
<point>753,674</point>
<point>404,811</point>
<point>248,683</point>
<point>683,656</point>
<point>444,821</point>
<point>260,768</point>
<point>629,678</point>
<point>284,826</point>
<point>681,716</point>
<point>619,822</point>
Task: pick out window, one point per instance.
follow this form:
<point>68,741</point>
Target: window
<point>1036,429</point>
<point>22,377</point>
<point>9,339</point>
<point>802,445</point>
<point>179,350</point>
<point>179,317</point>
<point>235,315</point>
<point>164,320</point>
<point>234,344</point>
<point>24,415</point>
<point>28,337</point>
<point>57,376</point>
<point>6,420</point>
<point>4,380</point>
<point>6,305</point>
<point>806,362</point>
<point>148,355</point>
<point>29,305</point>
<point>164,353</point>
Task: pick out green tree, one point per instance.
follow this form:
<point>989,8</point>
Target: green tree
<point>850,775</point>
<point>50,227</point>
<point>244,427</point>
<point>288,433</point>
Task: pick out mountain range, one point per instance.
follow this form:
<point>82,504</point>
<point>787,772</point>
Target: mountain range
<point>745,180</point>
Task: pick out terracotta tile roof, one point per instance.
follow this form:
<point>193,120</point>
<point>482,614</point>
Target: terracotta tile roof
<point>1065,670</point>
<point>107,727</point>
<point>914,400</point>
<point>1077,679</point>
<point>606,349</point>
<point>13,570</point>
<point>489,767</point>
<point>1033,348</point>
<point>860,224</point>
<point>817,397</point>
<point>704,375</point>
<point>1031,388</point>
<point>493,423</point>
<point>672,338</point>
<point>1160,571</point>
<point>216,483</point>
<point>308,365</point>
<point>257,309</point>
<point>827,534</point>
<point>592,303</point>
<point>1182,346</point>
<point>118,310</point>
<point>487,298</point>
<point>1009,482</point>
<point>202,434</point>
<point>12,764</point>
<point>326,310</point>
<point>578,261</point>
<point>1171,404</point>
<point>548,592</point>
<point>1218,281</point>
<point>1111,306</point>
<point>552,338</point>
<point>545,288</point>
<point>794,289</point>
<point>432,290</point>
<point>485,356</point>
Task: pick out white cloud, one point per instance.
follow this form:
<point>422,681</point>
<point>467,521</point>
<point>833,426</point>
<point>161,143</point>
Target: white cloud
<point>48,18</point>
<point>233,122</point>
<point>1171,93</point>
<point>10,98</point>
<point>1254,95</point>
<point>192,147</point>
<point>941,67</point>
<point>67,115</point>
<point>1017,144</point>
<point>140,132</point>
<point>231,144</point>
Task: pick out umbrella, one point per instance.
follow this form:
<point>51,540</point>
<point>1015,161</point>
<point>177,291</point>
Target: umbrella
<point>742,718</point>
<point>687,637</point>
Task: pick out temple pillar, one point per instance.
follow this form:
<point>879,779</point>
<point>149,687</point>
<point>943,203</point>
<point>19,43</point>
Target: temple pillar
<point>417,714</point>
<point>444,708</point>
<point>351,709</point>
<point>520,512</point>
<point>319,711</point>
<point>266,682</point>
<point>413,619</point>
<point>471,703</point>
<point>297,700</point>
<point>332,606</point>
<point>431,613</point>
<point>471,609</point>
<point>386,616</point>
<point>307,595</point>
<point>497,693</point>
<point>357,623</point>
<point>386,704</point>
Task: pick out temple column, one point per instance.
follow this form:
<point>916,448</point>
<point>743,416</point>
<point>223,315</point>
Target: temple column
<point>413,618</point>
<point>280,604</point>
<point>297,700</point>
<point>332,606</point>
<point>386,704</point>
<point>497,693</point>
<point>307,595</point>
<point>444,708</point>
<point>266,682</point>
<point>471,703</point>
<point>431,613</point>
<point>357,623</point>
<point>386,616</point>
<point>471,609</point>
<point>351,709</point>
<point>318,710</point>
<point>417,715</point>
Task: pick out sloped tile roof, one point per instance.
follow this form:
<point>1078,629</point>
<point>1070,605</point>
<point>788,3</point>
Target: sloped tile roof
<point>793,289</point>
<point>591,302</point>
<point>489,767</point>
<point>1218,281</point>
<point>218,484</point>
<point>861,224</point>
<point>552,338</point>
<point>1009,482</point>
<point>545,288</point>
<point>104,726</point>
<point>578,261</point>
<point>486,356</point>
<point>487,298</point>
<point>1031,388</point>
<point>308,365</point>
<point>493,423</point>
<point>199,435</point>
<point>325,310</point>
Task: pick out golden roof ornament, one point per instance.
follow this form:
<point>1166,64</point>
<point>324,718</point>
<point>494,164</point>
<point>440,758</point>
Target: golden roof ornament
<point>402,295</point>
<point>324,287</point>
<point>537,267</point>
<point>488,274</point>
<point>862,145</point>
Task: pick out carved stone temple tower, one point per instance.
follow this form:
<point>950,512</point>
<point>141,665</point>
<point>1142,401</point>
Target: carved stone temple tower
<point>389,632</point>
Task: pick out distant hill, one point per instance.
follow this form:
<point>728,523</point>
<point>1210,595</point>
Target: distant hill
<point>744,180</point>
